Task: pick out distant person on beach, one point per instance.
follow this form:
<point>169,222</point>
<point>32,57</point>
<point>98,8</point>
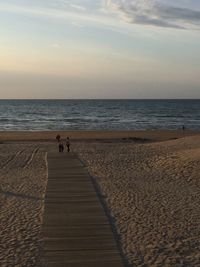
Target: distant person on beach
<point>183,128</point>
<point>58,138</point>
<point>68,144</point>
<point>60,147</point>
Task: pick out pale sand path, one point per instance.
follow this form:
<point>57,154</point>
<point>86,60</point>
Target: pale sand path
<point>76,231</point>
<point>153,194</point>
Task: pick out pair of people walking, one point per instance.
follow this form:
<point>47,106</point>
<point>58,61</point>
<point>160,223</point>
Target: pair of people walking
<point>61,144</point>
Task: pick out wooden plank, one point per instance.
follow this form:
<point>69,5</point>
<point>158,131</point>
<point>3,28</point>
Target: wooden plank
<point>79,243</point>
<point>82,255</point>
<point>76,231</point>
<point>69,208</point>
<point>98,263</point>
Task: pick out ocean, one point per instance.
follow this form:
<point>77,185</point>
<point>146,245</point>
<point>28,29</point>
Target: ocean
<point>41,115</point>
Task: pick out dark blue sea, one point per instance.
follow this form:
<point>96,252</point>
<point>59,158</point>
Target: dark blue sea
<point>99,114</point>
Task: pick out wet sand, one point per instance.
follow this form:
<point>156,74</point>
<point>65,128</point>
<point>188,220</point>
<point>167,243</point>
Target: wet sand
<point>49,136</point>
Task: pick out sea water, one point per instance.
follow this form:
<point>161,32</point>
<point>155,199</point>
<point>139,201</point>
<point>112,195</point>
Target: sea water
<point>99,114</point>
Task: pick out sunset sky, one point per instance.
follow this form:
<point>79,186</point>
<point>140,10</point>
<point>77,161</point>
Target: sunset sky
<point>100,49</point>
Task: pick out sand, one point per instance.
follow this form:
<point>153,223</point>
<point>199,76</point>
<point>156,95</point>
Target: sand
<point>153,194</point>
<point>36,136</point>
<point>23,178</point>
<point>151,189</point>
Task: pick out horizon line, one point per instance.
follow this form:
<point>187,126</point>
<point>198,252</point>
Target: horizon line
<point>79,99</point>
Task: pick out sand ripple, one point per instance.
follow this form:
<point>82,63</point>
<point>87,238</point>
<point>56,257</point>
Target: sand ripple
<point>23,177</point>
<point>153,193</point>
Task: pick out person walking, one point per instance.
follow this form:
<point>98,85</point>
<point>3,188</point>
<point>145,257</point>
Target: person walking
<point>58,138</point>
<point>60,147</point>
<point>68,144</point>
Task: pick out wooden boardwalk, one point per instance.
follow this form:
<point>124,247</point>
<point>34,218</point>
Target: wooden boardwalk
<point>76,230</point>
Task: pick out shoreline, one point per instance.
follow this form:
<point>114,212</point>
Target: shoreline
<point>79,135</point>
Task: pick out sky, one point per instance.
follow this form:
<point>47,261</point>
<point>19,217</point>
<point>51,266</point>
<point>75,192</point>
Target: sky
<point>99,49</point>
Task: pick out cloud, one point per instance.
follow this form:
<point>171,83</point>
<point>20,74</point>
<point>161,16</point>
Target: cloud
<point>78,7</point>
<point>71,13</point>
<point>155,13</point>
<point>77,24</point>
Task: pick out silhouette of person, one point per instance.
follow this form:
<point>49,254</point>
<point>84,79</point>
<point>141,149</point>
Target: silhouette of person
<point>58,138</point>
<point>68,144</point>
<point>60,147</point>
<point>183,128</point>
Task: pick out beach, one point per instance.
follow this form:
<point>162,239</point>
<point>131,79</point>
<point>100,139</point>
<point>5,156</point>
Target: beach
<point>148,181</point>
